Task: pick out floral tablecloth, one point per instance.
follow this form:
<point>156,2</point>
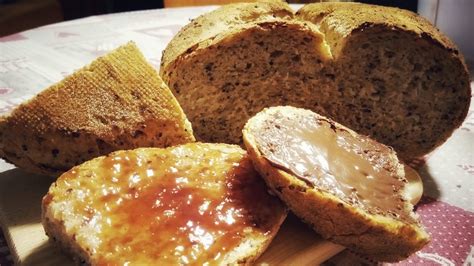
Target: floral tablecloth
<point>32,60</point>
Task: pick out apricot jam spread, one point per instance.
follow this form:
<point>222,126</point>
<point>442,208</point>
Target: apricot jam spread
<point>352,167</point>
<point>192,204</point>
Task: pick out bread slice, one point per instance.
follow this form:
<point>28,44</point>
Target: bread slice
<point>347,187</point>
<point>381,71</point>
<point>116,102</point>
<point>193,203</point>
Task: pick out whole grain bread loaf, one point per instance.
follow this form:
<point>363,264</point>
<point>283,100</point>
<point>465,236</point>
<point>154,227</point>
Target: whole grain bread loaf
<point>347,187</point>
<point>117,102</point>
<point>190,204</point>
<point>381,71</point>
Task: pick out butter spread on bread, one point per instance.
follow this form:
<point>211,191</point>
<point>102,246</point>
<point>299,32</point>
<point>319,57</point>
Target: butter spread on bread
<point>382,71</point>
<point>116,102</point>
<point>191,204</point>
<point>348,187</point>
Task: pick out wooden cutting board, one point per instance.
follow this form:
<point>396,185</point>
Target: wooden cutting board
<point>20,217</point>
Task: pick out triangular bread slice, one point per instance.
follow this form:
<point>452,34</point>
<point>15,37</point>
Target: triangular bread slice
<point>117,102</point>
<point>187,204</point>
<point>348,187</point>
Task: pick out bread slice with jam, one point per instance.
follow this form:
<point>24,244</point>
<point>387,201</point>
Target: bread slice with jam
<point>190,204</point>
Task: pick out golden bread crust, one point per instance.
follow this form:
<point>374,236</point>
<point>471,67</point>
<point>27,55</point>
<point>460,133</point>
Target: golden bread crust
<point>117,102</point>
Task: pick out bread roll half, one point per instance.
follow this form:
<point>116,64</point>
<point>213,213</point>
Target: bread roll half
<point>349,188</point>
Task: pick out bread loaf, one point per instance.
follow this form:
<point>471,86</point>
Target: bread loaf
<point>347,187</point>
<point>117,102</point>
<point>381,71</point>
<point>190,204</point>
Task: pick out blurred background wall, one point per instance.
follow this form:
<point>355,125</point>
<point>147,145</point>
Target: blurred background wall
<point>454,17</point>
<point>19,15</point>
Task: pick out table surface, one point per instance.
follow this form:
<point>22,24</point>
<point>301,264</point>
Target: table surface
<point>32,60</point>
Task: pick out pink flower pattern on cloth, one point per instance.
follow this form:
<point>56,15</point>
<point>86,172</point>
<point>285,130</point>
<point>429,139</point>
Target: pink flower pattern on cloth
<point>5,90</point>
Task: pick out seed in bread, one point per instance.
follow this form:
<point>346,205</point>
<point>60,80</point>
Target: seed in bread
<point>381,71</point>
<point>187,204</point>
<point>117,102</point>
<point>348,187</point>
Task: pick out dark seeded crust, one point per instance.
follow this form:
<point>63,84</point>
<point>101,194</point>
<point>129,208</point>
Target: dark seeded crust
<point>380,237</point>
<point>381,71</point>
<point>117,102</point>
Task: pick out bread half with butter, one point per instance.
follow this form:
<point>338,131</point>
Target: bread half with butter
<point>187,204</point>
<point>349,188</point>
<point>382,71</point>
<point>116,102</point>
